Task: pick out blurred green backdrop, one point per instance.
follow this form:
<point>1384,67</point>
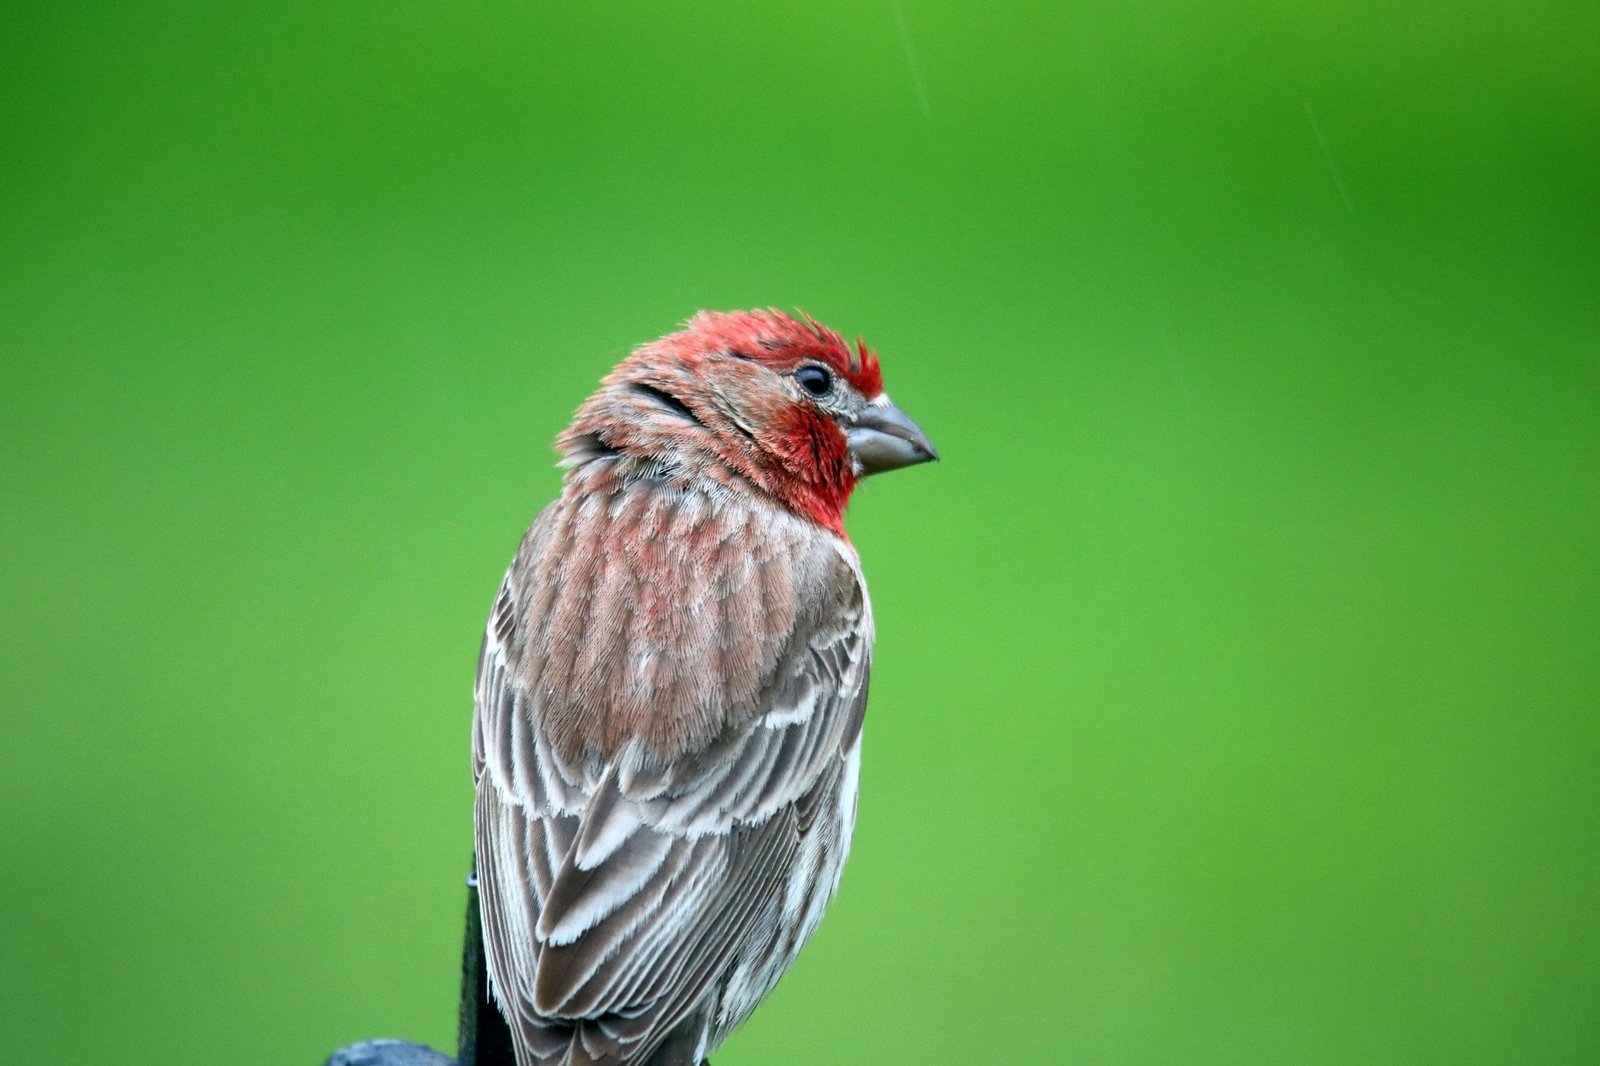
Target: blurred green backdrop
<point>1238,670</point>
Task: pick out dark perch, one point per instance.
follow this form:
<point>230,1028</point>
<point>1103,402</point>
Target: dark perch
<point>484,1039</point>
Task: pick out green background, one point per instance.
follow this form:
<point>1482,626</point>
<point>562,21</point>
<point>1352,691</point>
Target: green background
<point>1238,680</point>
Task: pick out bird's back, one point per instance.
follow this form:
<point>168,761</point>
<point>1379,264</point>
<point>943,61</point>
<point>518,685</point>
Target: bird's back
<point>666,746</point>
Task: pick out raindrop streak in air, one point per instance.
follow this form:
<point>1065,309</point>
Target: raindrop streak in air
<point>1327,154</point>
<point>911,57</point>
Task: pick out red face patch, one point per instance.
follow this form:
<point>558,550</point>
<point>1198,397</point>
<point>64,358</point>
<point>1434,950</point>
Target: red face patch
<point>783,342</point>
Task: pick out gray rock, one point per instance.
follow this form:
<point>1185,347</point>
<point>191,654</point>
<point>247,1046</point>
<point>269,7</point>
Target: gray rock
<point>389,1053</point>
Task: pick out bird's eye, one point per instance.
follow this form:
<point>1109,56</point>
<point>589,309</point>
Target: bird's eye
<point>814,379</point>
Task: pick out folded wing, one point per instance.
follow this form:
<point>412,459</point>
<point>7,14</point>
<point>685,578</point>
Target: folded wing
<point>627,896</point>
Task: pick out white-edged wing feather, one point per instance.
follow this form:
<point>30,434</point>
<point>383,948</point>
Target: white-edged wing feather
<point>623,893</point>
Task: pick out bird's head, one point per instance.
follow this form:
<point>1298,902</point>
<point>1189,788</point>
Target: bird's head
<point>758,398</point>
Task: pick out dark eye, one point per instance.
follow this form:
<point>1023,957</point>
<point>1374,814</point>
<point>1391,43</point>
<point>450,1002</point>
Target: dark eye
<point>814,379</point>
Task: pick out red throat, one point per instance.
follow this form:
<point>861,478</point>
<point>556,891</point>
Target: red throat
<point>815,444</point>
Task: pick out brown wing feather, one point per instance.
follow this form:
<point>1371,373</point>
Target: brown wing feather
<point>644,811</point>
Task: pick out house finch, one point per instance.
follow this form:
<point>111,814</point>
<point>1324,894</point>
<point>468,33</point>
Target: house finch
<point>666,742</point>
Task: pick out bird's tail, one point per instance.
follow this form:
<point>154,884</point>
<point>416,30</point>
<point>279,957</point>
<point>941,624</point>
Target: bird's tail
<point>594,1044</point>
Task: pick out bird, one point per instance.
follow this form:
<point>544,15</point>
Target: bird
<point>670,694</point>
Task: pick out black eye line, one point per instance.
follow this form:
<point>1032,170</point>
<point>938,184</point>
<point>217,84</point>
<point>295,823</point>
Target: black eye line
<point>669,401</point>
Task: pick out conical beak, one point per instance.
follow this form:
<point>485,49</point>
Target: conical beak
<point>885,438</point>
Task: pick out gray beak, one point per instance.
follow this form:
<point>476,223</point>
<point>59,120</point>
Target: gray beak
<point>885,438</point>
